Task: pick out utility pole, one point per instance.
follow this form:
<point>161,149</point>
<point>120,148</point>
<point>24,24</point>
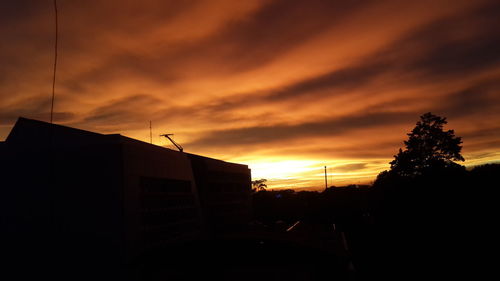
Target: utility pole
<point>326,181</point>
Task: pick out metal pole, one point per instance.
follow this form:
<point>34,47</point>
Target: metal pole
<point>150,133</point>
<point>326,181</point>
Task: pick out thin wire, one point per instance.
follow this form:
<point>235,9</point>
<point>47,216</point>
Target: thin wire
<point>52,185</point>
<point>55,66</point>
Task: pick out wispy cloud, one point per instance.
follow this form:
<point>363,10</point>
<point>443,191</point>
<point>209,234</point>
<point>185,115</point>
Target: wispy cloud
<point>336,82</point>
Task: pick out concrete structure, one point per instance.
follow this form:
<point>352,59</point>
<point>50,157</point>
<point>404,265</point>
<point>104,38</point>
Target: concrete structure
<point>106,200</point>
<point>226,205</point>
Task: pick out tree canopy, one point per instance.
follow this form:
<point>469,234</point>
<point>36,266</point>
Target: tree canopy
<point>428,147</point>
<point>259,185</point>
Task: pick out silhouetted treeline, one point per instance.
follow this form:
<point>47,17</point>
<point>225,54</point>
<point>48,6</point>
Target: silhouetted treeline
<point>332,205</point>
<point>401,226</point>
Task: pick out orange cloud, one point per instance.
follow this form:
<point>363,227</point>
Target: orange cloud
<point>285,86</point>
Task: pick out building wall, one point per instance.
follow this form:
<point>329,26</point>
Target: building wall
<point>225,193</point>
<point>61,207</point>
<point>161,204</point>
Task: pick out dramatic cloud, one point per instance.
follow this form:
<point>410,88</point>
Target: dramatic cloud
<point>283,133</point>
<point>284,86</point>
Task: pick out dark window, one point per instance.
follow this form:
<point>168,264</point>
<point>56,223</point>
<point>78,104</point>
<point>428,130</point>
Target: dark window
<point>170,231</point>
<point>229,187</point>
<point>228,176</point>
<point>158,201</point>
<point>167,216</point>
<point>150,184</point>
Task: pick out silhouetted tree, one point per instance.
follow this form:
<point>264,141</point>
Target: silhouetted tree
<point>421,202</point>
<point>259,185</point>
<point>428,147</point>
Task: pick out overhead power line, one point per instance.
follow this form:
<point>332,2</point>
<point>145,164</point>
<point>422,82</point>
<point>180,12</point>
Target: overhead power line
<point>55,65</point>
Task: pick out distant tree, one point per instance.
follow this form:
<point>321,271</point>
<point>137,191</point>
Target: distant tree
<point>428,147</point>
<point>259,185</point>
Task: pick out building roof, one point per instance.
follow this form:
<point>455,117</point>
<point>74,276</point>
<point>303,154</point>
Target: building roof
<point>36,133</point>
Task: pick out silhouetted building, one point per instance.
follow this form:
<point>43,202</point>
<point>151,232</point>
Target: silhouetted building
<point>84,197</point>
<point>226,205</point>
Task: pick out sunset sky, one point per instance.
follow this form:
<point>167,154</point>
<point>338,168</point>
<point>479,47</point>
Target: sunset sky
<point>286,87</point>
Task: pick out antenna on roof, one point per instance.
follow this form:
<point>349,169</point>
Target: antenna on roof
<point>179,147</point>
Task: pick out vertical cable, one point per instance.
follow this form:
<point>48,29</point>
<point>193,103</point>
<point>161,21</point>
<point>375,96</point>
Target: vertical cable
<point>52,185</point>
<point>55,66</point>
